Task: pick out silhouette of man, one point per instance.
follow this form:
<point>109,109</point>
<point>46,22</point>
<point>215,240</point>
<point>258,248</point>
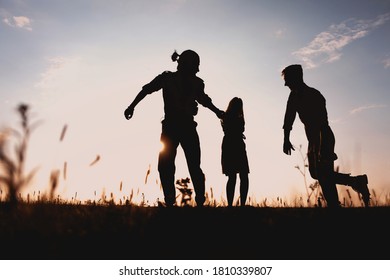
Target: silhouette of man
<point>182,91</point>
<point>310,105</point>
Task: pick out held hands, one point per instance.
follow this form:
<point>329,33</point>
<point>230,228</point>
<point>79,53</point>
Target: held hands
<point>220,114</point>
<point>129,112</point>
<point>287,147</point>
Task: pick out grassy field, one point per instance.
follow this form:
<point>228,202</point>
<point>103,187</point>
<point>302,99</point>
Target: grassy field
<point>63,231</point>
<point>42,226</point>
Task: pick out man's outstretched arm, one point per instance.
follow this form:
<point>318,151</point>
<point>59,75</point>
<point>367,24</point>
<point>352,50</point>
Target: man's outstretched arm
<point>153,86</point>
<point>216,111</point>
<point>130,109</point>
<point>206,101</point>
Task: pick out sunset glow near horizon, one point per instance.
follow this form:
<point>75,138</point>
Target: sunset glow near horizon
<point>81,63</point>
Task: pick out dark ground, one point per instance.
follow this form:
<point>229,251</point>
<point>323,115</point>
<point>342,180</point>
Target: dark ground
<point>70,232</point>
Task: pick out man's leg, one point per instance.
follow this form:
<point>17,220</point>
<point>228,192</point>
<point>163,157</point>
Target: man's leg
<point>324,173</point>
<point>358,183</point>
<point>166,167</point>
<point>326,178</point>
<point>191,146</point>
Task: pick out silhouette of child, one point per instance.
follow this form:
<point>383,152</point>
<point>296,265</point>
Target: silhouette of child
<point>234,157</point>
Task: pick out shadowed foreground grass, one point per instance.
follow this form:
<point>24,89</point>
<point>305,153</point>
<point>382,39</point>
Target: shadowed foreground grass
<point>61,231</point>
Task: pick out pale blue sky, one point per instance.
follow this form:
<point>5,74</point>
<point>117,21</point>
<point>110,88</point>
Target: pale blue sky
<point>81,63</point>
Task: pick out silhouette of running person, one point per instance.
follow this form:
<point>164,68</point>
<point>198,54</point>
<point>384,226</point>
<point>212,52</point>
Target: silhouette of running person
<point>310,105</point>
<point>182,90</point>
<point>234,158</point>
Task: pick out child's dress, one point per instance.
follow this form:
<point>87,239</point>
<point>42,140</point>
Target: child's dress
<point>234,158</point>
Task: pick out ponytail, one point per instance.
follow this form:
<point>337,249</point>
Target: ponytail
<point>174,56</point>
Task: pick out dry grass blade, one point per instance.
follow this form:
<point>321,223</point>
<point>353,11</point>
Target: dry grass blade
<point>95,160</point>
<point>147,175</point>
<point>54,178</point>
<point>63,132</point>
<point>13,176</point>
<point>65,169</point>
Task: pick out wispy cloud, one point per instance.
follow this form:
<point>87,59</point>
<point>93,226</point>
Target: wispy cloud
<point>366,107</point>
<point>356,111</point>
<point>386,62</point>
<point>18,22</point>
<point>279,33</point>
<point>172,6</point>
<point>55,66</point>
<point>326,47</point>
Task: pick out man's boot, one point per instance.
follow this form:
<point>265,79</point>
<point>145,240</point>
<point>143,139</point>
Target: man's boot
<point>359,184</point>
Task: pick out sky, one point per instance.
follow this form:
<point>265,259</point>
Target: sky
<point>79,64</point>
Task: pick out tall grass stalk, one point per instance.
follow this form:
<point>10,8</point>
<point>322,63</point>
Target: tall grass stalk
<point>12,172</point>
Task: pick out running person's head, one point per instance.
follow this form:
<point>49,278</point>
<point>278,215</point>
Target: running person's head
<point>187,62</point>
<point>293,76</point>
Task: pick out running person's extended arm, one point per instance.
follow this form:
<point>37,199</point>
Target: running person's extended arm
<point>216,111</point>
<point>130,110</point>
<point>153,86</point>
<point>289,118</point>
<point>206,101</point>
<point>287,146</point>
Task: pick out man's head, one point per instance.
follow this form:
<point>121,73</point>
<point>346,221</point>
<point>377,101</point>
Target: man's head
<point>293,76</point>
<point>188,62</point>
